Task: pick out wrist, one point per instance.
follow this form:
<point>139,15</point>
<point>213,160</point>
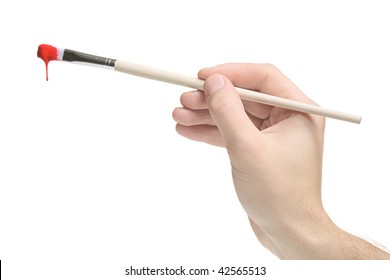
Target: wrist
<point>310,236</point>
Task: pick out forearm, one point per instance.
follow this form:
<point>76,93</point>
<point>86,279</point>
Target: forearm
<point>322,239</point>
<point>356,248</point>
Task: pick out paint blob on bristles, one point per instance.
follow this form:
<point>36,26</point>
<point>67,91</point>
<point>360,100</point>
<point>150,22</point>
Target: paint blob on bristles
<point>47,53</point>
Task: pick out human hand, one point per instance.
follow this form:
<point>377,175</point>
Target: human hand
<point>275,154</point>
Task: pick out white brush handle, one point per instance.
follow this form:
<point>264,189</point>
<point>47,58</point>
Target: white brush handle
<point>191,82</point>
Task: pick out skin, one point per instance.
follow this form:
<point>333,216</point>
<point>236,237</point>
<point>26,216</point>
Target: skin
<point>276,159</point>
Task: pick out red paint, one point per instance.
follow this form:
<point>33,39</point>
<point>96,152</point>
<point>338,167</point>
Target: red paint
<point>47,53</point>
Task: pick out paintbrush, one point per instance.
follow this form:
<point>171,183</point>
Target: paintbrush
<point>48,53</point>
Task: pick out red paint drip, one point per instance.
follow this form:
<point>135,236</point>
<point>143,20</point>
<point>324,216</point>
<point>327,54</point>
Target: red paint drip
<point>47,53</point>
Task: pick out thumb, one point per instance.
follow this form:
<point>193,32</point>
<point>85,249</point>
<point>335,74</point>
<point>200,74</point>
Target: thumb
<point>227,111</point>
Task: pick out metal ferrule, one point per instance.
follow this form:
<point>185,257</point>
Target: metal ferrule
<point>84,58</point>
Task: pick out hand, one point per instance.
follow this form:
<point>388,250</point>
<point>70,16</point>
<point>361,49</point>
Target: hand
<point>275,154</point>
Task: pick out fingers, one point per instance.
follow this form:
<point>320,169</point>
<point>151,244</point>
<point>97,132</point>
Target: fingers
<point>265,78</point>
<point>201,133</point>
<point>194,111</point>
<point>194,100</point>
<point>190,117</point>
<point>224,121</point>
<point>194,120</point>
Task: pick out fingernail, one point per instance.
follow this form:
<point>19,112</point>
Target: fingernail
<point>213,84</point>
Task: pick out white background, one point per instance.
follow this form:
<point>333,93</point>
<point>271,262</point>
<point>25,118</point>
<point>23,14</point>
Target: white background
<point>94,178</point>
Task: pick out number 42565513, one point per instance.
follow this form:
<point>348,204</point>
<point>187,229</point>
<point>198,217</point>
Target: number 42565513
<point>242,270</point>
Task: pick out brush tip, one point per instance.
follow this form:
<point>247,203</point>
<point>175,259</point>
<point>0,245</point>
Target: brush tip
<point>48,53</point>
